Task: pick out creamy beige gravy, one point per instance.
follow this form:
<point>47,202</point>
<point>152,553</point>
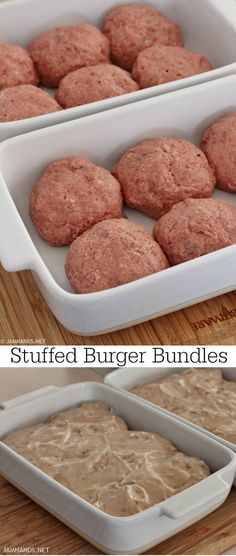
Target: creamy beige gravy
<point>89,450</point>
<point>200,395</point>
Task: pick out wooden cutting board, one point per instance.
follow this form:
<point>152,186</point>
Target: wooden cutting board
<point>25,524</point>
<point>24,315</point>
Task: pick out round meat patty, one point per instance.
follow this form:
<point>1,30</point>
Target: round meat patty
<point>161,171</point>
<point>194,228</point>
<point>112,253</point>
<point>71,196</point>
<point>94,83</point>
<point>219,145</point>
<point>25,101</point>
<point>161,64</point>
<point>132,27</point>
<point>16,66</point>
<point>60,51</point>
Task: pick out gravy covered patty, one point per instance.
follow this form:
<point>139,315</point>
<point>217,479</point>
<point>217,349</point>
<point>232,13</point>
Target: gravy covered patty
<point>72,195</point>
<point>112,253</point>
<point>89,450</point>
<point>132,27</point>
<point>202,396</point>
<point>161,171</point>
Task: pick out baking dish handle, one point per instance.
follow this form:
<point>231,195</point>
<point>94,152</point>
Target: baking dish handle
<point>31,396</point>
<point>194,498</point>
<point>16,247</point>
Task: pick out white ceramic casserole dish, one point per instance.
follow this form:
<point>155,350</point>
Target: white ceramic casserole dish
<point>202,23</point>
<point>128,378</point>
<point>133,534</point>
<point>186,113</point>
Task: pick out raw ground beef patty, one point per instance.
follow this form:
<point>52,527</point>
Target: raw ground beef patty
<point>194,228</point>
<point>112,253</point>
<point>219,145</point>
<point>16,66</point>
<point>65,49</point>
<point>94,83</point>
<point>161,171</point>
<point>25,101</point>
<point>161,64</point>
<point>71,196</point>
<point>132,27</point>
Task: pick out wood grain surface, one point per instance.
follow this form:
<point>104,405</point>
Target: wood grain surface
<point>25,524</point>
<point>24,315</point>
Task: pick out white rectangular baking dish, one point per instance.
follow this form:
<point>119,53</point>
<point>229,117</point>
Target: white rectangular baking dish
<point>127,378</point>
<point>133,534</point>
<point>202,23</point>
<point>186,113</point>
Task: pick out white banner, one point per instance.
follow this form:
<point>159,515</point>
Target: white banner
<point>118,356</point>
